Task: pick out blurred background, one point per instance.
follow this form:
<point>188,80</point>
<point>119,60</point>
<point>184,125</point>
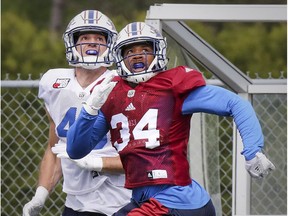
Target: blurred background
<point>32,33</point>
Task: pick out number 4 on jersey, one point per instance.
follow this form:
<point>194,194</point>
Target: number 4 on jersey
<point>66,122</point>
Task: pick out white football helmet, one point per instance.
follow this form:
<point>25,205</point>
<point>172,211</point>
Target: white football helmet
<point>138,32</point>
<point>89,21</point>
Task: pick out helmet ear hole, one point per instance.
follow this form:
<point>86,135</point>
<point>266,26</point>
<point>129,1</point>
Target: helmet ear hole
<point>76,36</point>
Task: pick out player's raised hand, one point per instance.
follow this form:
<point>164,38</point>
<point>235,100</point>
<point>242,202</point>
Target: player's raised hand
<point>99,95</point>
<point>259,166</point>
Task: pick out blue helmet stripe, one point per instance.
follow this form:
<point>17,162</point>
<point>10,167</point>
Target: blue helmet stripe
<point>91,17</point>
<point>134,28</point>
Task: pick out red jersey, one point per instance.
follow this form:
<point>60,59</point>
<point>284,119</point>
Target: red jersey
<point>148,129</point>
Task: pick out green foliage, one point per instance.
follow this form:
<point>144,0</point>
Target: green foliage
<point>252,47</point>
<point>27,50</point>
<point>277,45</point>
<point>36,11</point>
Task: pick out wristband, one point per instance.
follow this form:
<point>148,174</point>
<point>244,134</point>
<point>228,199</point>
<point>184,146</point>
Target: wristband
<point>89,109</point>
<point>99,164</point>
<point>41,194</point>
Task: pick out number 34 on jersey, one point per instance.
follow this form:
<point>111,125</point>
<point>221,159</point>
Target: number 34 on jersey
<point>145,129</point>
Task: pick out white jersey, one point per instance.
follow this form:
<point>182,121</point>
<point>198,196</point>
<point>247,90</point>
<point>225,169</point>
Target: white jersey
<point>86,190</point>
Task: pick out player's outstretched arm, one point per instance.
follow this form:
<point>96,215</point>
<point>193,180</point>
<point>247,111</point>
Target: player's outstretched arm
<point>219,101</point>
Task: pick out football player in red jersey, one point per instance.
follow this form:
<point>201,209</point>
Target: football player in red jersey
<point>148,113</point>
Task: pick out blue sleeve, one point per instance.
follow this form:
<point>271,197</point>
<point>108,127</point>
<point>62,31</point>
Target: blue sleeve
<point>86,132</point>
<point>219,101</point>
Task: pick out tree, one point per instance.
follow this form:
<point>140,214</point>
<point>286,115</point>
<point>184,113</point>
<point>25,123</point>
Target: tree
<point>56,15</point>
<point>28,50</point>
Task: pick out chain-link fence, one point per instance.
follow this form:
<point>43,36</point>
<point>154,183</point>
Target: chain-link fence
<point>269,196</point>
<point>24,131</point>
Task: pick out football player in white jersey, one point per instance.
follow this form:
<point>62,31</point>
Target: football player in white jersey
<point>94,184</point>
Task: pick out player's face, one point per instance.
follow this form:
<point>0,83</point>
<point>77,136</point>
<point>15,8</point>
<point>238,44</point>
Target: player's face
<point>91,44</point>
<point>138,57</point>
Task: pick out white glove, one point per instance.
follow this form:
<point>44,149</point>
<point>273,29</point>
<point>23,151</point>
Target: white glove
<point>34,207</point>
<point>89,162</point>
<point>59,148</point>
<point>99,95</point>
<point>259,166</point>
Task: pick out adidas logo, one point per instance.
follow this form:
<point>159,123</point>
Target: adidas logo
<point>130,107</point>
